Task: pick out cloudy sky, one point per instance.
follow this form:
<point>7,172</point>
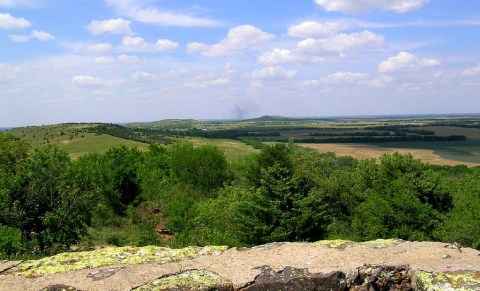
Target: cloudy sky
<point>145,60</point>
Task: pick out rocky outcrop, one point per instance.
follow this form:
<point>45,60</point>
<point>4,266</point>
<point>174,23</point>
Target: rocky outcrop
<point>325,265</point>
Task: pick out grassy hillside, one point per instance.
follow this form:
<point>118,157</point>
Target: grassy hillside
<point>74,138</point>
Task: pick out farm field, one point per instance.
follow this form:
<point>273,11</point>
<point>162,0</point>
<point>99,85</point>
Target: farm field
<point>433,154</point>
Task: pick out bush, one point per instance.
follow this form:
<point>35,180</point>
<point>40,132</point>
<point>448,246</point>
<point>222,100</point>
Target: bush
<point>10,241</point>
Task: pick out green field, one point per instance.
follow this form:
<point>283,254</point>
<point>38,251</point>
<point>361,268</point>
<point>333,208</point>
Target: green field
<point>234,150</point>
<point>72,138</point>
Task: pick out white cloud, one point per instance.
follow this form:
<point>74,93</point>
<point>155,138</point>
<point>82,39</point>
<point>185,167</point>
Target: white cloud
<point>342,43</point>
<point>39,35</point>
<point>104,60</point>
<point>472,71</point>
<point>82,81</point>
<point>8,21</point>
<point>144,77</point>
<point>86,81</point>
<point>128,58</point>
<point>359,6</point>
<point>112,26</point>
<point>134,42</point>
<point>42,35</point>
<point>282,56</point>
<point>166,44</point>
<point>99,48</point>
<point>19,38</point>
<point>239,39</point>
<point>405,62</point>
<point>344,77</point>
<point>379,82</point>
<point>137,43</point>
<point>273,73</point>
<point>312,29</point>
<point>209,83</point>
<point>313,50</point>
<point>138,11</point>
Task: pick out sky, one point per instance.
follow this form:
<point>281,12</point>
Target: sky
<point>146,60</point>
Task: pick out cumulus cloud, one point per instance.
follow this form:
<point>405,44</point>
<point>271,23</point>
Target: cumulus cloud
<point>342,43</point>
<point>134,42</point>
<point>239,39</point>
<point>360,6</point>
<point>10,22</point>
<point>313,50</point>
<point>406,62</point>
<point>39,35</point>
<point>137,43</point>
<point>99,48</point>
<point>472,71</point>
<point>273,73</point>
<point>112,26</point>
<point>312,29</point>
<point>344,77</point>
<point>104,60</point>
<point>42,35</point>
<point>166,44</point>
<point>128,58</point>
<point>138,10</point>
<point>82,81</point>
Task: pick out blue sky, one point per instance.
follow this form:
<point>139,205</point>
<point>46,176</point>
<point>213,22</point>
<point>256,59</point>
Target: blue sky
<point>145,60</point>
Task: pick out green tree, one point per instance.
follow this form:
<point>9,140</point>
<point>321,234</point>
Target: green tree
<point>400,197</point>
<point>463,222</point>
<point>45,201</point>
<point>122,165</point>
<point>204,168</point>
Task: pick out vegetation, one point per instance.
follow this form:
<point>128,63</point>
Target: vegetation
<point>180,195</point>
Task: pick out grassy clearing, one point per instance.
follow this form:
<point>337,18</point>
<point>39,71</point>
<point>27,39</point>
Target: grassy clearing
<point>234,150</point>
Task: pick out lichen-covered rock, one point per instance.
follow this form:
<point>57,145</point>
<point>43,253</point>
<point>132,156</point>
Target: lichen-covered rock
<point>293,279</point>
<point>466,281</point>
<point>382,278</point>
<point>342,244</point>
<point>198,280</point>
<point>67,262</point>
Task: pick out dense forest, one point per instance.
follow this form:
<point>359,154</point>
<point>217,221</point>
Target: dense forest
<point>193,196</point>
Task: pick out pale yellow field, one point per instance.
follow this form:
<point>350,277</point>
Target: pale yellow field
<point>360,151</point>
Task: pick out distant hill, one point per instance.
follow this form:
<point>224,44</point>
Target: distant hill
<point>269,118</point>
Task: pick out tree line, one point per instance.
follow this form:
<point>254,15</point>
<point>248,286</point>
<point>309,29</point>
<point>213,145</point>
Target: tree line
<point>284,193</point>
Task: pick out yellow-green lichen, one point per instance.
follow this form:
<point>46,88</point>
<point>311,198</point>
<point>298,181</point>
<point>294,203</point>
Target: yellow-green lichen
<point>341,244</point>
<point>464,281</point>
<point>67,262</point>
<point>191,280</point>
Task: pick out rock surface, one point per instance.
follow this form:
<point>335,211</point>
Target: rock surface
<point>325,265</point>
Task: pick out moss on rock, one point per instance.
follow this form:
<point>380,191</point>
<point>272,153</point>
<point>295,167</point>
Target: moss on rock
<point>67,262</point>
<point>467,281</point>
<point>189,280</point>
<point>342,244</point>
